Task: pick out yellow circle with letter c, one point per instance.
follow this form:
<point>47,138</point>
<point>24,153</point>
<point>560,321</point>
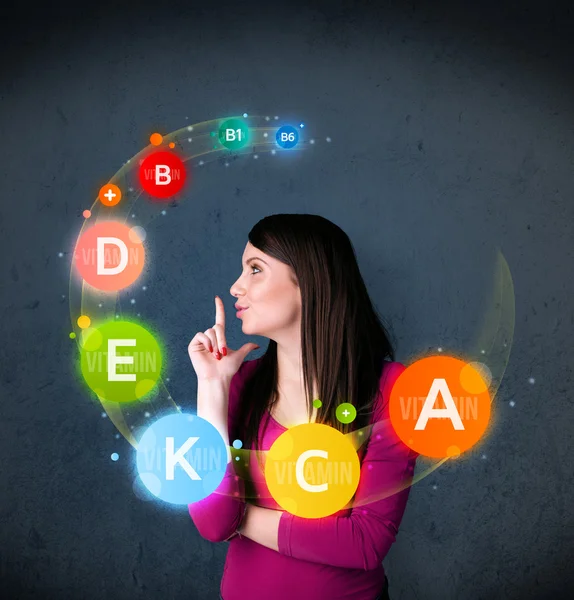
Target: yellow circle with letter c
<point>312,470</point>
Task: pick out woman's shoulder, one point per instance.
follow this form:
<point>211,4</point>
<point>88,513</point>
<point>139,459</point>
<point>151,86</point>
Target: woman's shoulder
<point>391,371</point>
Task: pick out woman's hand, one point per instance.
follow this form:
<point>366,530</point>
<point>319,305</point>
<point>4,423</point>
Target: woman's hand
<point>210,356</point>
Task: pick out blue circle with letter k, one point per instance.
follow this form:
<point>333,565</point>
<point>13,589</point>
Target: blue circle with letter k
<point>181,458</point>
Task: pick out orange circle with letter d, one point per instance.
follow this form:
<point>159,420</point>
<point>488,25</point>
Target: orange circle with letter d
<point>440,406</point>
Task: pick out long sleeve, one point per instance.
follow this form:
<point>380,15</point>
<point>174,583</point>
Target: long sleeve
<point>218,515</point>
<point>361,538</point>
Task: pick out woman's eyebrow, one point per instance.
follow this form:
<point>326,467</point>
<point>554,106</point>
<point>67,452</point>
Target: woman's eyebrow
<point>255,258</point>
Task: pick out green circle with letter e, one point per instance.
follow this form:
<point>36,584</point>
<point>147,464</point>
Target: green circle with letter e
<point>120,361</point>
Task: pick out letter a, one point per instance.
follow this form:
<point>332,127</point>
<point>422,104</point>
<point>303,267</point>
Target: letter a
<point>429,412</point>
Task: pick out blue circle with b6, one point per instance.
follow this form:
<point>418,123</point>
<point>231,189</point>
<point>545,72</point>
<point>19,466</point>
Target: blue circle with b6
<point>287,136</point>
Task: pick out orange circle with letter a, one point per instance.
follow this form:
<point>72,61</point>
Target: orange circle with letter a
<point>440,406</point>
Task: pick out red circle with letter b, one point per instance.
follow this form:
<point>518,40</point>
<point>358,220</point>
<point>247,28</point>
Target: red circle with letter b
<point>162,174</point>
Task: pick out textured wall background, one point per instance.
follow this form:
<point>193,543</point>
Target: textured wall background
<point>453,133</point>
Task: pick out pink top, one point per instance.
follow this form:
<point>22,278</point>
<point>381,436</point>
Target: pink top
<point>336,557</point>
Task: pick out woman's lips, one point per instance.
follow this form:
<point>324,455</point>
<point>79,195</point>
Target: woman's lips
<point>240,312</point>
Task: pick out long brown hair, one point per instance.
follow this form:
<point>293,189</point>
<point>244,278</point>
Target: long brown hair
<point>343,340</point>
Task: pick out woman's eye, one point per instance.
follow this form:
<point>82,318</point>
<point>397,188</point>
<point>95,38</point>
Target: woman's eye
<point>254,267</point>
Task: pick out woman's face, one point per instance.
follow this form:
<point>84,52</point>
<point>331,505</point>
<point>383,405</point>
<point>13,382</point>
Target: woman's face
<point>273,301</point>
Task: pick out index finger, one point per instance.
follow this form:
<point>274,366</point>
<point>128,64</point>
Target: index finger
<point>219,312</point>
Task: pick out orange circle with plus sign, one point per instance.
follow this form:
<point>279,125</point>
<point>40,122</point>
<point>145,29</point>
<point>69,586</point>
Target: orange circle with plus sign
<point>110,194</point>
<point>440,406</point>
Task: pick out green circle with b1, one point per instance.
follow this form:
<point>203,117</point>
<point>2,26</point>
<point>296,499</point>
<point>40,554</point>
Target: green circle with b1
<point>234,134</point>
<point>120,361</point>
<point>181,458</point>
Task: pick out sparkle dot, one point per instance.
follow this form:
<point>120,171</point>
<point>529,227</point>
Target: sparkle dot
<point>63,296</point>
<point>115,456</point>
<point>144,287</point>
<point>60,254</point>
<point>84,322</point>
<point>483,457</point>
<point>100,305</point>
<point>72,336</point>
<point>369,466</point>
<point>171,145</point>
<point>130,189</point>
<point>87,214</point>
<point>317,403</point>
<point>328,139</point>
<point>531,380</point>
<point>276,118</point>
<point>301,125</point>
<point>226,164</point>
<point>434,487</point>
<point>163,212</point>
<point>245,115</point>
<point>378,436</point>
<point>190,128</point>
<point>237,458</point>
<point>133,216</point>
<point>104,415</point>
<point>482,352</point>
<point>237,444</point>
<point>137,234</point>
<point>440,349</point>
<point>155,139</point>
<point>139,315</point>
<point>265,134</point>
<point>117,316</point>
<point>189,139</point>
<point>512,403</point>
<point>272,151</point>
<point>267,118</point>
<point>255,156</point>
<point>146,414</point>
<point>311,141</point>
<point>117,436</point>
<point>167,379</point>
<point>133,300</point>
<point>200,162</point>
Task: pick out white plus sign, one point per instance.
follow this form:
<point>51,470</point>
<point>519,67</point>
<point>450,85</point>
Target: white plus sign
<point>346,413</point>
<point>109,195</point>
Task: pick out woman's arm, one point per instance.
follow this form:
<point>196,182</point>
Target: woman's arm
<point>218,515</point>
<point>261,525</point>
<point>361,539</point>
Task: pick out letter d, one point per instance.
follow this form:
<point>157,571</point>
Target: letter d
<point>101,268</point>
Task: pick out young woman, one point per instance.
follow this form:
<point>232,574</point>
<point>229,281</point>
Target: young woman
<point>301,287</point>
